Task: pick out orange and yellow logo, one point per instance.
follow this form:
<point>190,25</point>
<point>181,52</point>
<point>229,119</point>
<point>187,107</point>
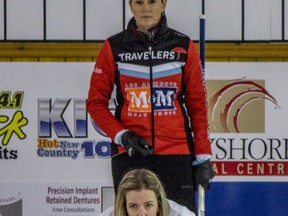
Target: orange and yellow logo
<point>140,99</point>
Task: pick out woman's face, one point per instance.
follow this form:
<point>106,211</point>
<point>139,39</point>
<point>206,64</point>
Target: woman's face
<point>147,13</point>
<point>141,203</point>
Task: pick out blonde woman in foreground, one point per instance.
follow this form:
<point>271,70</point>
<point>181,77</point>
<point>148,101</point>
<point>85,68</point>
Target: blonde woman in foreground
<point>140,193</point>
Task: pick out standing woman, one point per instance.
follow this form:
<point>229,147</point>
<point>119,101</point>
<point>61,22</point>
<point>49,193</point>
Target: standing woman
<point>160,121</point>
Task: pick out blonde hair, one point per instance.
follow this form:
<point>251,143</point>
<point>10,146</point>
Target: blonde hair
<point>139,179</point>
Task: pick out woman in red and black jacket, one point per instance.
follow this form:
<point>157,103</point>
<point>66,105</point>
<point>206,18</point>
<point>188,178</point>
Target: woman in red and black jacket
<point>160,121</point>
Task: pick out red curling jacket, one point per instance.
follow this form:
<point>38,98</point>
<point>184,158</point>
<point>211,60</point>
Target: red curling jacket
<point>164,63</point>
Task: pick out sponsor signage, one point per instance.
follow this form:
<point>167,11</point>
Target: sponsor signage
<point>247,130</point>
<point>54,160</point>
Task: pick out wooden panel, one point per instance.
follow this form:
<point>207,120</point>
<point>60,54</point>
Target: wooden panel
<point>247,51</point>
<point>58,52</point>
<point>88,52</point>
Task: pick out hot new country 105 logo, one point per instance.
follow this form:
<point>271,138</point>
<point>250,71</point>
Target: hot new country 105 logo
<point>52,123</point>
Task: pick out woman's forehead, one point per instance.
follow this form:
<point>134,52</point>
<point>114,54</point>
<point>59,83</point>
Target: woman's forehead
<point>142,194</point>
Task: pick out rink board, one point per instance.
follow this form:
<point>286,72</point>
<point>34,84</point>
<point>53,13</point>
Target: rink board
<point>247,198</point>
